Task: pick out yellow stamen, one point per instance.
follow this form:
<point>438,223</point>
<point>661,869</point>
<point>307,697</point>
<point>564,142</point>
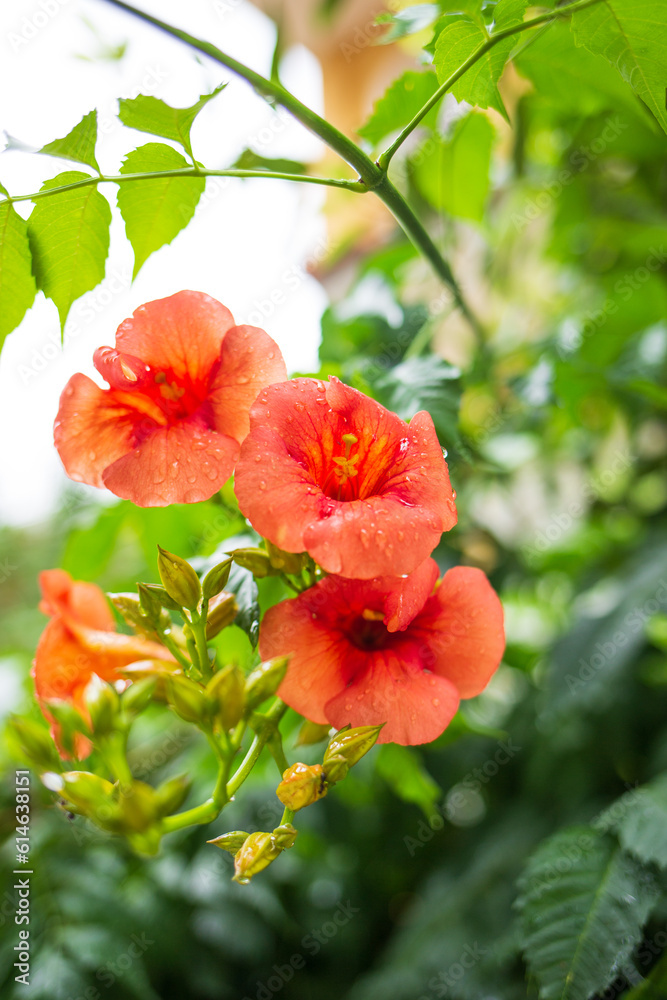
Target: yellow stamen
<point>372,616</point>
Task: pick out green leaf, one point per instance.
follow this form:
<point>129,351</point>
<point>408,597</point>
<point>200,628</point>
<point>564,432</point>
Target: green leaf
<point>402,769</point>
<point>572,79</point>
<point>150,114</point>
<point>453,174</point>
<point>400,103</point>
<point>155,211</point>
<point>583,902</point>
<point>69,239</point>
<point>457,41</point>
<point>640,819</point>
<point>250,160</point>
<point>242,584</point>
<point>632,35</point>
<point>424,383</point>
<point>408,21</point>
<point>79,144</point>
<point>17,284</point>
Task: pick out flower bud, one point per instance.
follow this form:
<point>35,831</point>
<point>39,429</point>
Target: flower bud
<point>154,613</point>
<point>286,562</point>
<point>231,842</point>
<point>101,700</point>
<point>87,792</point>
<point>226,694</point>
<point>160,596</point>
<point>256,560</point>
<point>138,806</point>
<point>222,611</point>
<point>171,794</point>
<point>259,850</point>
<point>187,699</point>
<point>265,680</point>
<point>179,579</point>
<point>34,743</point>
<point>70,722</point>
<point>352,744</point>
<point>138,695</point>
<point>129,606</point>
<point>302,785</point>
<point>336,769</point>
<point>159,671</point>
<point>312,732</point>
<point>216,579</point>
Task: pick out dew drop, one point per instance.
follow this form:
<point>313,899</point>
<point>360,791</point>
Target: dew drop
<point>436,702</point>
<point>262,485</point>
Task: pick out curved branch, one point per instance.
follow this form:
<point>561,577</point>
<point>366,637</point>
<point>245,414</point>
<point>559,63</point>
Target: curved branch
<point>498,36</point>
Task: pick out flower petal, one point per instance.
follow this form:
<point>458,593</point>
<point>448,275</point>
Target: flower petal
<point>462,627</point>
<point>74,600</point>
<point>406,596</point>
<point>181,334</point>
<point>415,705</point>
<point>249,362</point>
<point>94,427</point>
<point>322,660</point>
<point>184,463</point>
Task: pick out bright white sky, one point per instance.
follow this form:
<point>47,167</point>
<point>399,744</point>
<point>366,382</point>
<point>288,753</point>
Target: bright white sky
<point>241,242</point>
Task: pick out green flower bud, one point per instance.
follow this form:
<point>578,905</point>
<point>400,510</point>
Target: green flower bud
<point>179,579</point>
<point>222,611</point>
<point>292,563</point>
<point>129,606</point>
<point>256,560</point>
<point>161,598</point>
<point>70,721</point>
<point>259,850</point>
<point>187,699</point>
<point>216,579</point>
<point>336,769</point>
<point>302,785</point>
<point>264,681</point>
<point>231,842</point>
<point>101,700</point>
<point>171,794</point>
<point>226,694</point>
<point>352,744</point>
<point>34,743</point>
<point>87,792</point>
<point>139,807</point>
<point>138,695</point>
<point>154,613</point>
<point>312,732</point>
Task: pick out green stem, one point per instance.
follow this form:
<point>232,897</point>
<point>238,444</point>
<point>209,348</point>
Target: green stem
<point>209,810</point>
<point>399,207</point>
<point>174,649</point>
<point>288,816</point>
<point>152,175</point>
<point>371,176</point>
<point>273,717</point>
<point>498,36</point>
<point>348,150</point>
<point>198,625</point>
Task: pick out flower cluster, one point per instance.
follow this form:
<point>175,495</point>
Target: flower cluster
<point>320,469</point>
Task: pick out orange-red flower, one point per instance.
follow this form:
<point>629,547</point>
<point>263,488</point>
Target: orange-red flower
<point>327,470</point>
<point>78,642</point>
<point>182,379</point>
<point>388,650</point>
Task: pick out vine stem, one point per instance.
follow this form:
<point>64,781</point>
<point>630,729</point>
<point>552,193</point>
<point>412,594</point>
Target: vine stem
<point>498,36</point>
<point>371,176</point>
<point>152,175</point>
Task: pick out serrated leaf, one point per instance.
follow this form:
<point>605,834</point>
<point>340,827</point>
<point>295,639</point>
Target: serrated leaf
<point>632,36</point>
<point>17,284</point>
<point>457,41</point>
<point>79,144</point>
<point>400,103</point>
<point>151,114</point>
<point>583,902</point>
<point>571,78</point>
<point>250,160</point>
<point>155,211</point>
<point>402,769</point>
<point>453,174</point>
<point>69,240</point>
<point>640,820</point>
